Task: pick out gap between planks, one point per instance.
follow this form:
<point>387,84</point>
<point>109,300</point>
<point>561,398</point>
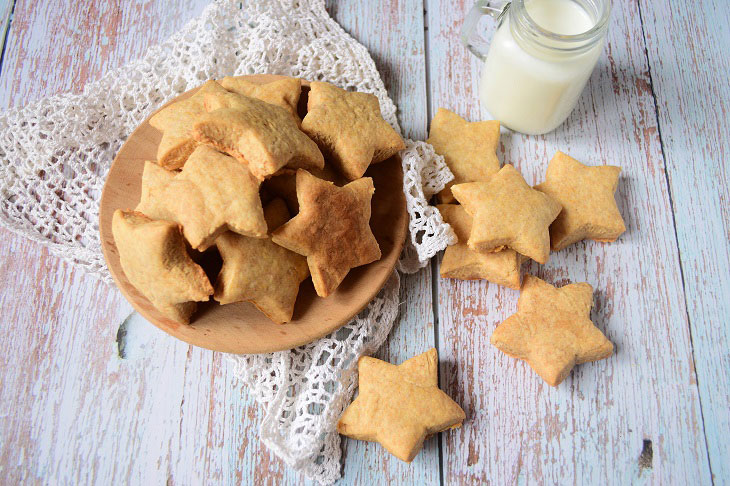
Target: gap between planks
<point>7,20</point>
<point>434,263</point>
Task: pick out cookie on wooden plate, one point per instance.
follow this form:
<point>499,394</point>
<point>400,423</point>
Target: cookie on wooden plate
<point>587,196</point>
<point>283,184</point>
<point>263,136</point>
<point>176,123</point>
<point>282,92</point>
<point>154,180</point>
<point>552,329</point>
<point>399,406</point>
<point>332,229</point>
<point>155,260</point>
<point>468,148</point>
<point>212,194</point>
<point>508,213</point>
<point>260,271</point>
<point>349,128</point>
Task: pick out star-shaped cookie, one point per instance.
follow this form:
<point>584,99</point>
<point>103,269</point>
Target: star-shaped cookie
<point>176,123</point>
<point>469,149</point>
<point>265,137</point>
<point>155,261</point>
<point>212,194</point>
<point>460,261</point>
<point>284,184</point>
<point>260,271</point>
<point>154,180</point>
<point>552,329</point>
<point>399,406</point>
<point>508,213</point>
<point>332,229</point>
<point>349,128</point>
<point>282,92</point>
<point>587,196</point>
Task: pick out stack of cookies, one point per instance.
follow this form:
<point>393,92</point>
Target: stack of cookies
<point>501,222</point>
<point>236,161</point>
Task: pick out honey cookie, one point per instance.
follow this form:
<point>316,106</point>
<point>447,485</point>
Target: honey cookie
<point>552,329</point>
<point>468,148</point>
<point>508,212</point>
<point>332,229</point>
<point>176,123</point>
<point>212,194</point>
<point>155,260</point>
<point>265,137</point>
<point>282,92</point>
<point>260,271</point>
<point>587,196</point>
<point>461,262</point>
<point>399,406</point>
<point>349,128</point>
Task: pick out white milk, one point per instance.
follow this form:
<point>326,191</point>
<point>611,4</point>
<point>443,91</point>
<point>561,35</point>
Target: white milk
<point>533,89</point>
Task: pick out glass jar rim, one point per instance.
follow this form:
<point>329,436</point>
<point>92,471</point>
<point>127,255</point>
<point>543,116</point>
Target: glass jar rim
<point>563,42</point>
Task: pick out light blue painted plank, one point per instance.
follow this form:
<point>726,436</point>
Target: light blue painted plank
<point>60,45</point>
<point>688,54</point>
<point>393,33</point>
<point>202,425</point>
<point>592,427</point>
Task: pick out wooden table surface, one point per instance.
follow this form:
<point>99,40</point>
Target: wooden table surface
<point>83,401</point>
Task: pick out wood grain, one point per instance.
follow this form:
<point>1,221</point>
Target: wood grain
<point>56,46</point>
<point>594,425</point>
<point>693,99</point>
<point>393,34</point>
<point>185,418</point>
<point>65,393</point>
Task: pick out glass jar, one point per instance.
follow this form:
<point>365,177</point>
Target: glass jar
<point>539,60</point>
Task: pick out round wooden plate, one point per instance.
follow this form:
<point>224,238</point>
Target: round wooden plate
<point>241,328</point>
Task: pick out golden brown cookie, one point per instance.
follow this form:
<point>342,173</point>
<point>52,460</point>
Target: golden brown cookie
<point>508,213</point>
<point>587,196</point>
<point>282,92</point>
<point>349,128</point>
<point>265,137</point>
<point>260,271</point>
<point>155,261</point>
<point>399,406</point>
<point>460,261</point>
<point>212,194</point>
<point>154,180</point>
<point>469,149</point>
<point>176,123</point>
<point>332,229</point>
<point>283,184</point>
<point>552,329</point>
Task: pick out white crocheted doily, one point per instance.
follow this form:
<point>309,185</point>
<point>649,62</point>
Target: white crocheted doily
<point>55,154</point>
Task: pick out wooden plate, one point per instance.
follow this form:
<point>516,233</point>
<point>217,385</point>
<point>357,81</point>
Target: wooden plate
<point>241,328</point>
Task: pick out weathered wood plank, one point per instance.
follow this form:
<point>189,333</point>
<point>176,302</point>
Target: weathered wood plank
<point>59,45</point>
<point>693,99</point>
<point>594,425</point>
<point>74,411</point>
<point>166,412</point>
<point>393,34</point>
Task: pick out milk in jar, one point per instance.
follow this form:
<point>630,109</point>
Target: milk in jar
<point>539,61</point>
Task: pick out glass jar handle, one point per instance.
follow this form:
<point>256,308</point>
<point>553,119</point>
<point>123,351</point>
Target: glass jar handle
<point>476,44</point>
